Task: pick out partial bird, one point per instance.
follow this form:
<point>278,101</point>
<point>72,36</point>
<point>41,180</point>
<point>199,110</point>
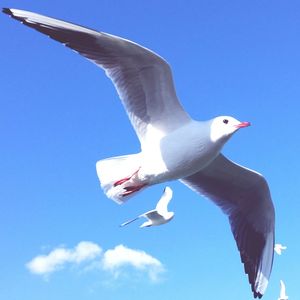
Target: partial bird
<point>173,145</point>
<point>158,216</point>
<point>278,248</point>
<point>283,295</point>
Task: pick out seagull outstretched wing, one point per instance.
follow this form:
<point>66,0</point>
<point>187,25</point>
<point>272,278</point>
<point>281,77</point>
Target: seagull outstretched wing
<point>142,78</point>
<point>244,196</point>
<point>162,204</point>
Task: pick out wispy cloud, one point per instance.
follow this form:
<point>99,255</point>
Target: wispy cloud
<point>116,261</point>
<point>59,257</point>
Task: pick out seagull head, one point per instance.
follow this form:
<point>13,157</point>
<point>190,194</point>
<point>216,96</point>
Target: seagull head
<point>223,127</point>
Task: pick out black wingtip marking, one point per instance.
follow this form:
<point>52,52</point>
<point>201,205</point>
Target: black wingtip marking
<point>258,295</point>
<point>7,11</point>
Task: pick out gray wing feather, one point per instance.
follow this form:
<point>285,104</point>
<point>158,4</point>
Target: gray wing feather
<point>152,215</point>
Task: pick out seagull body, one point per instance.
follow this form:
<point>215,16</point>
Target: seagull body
<point>158,216</point>
<point>278,248</point>
<point>173,145</point>
<point>283,295</point>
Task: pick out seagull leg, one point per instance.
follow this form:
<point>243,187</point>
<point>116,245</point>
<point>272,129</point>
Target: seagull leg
<point>130,189</point>
<point>121,181</point>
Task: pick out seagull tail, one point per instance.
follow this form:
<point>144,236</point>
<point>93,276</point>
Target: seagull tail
<point>112,170</point>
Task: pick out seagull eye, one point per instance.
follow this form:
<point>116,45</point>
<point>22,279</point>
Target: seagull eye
<point>225,121</point>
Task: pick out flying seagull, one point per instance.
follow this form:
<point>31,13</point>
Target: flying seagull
<point>278,248</point>
<point>283,295</point>
<point>158,216</point>
<point>173,145</point>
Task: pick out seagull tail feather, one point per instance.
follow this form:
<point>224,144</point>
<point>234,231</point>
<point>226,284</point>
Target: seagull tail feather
<point>112,170</point>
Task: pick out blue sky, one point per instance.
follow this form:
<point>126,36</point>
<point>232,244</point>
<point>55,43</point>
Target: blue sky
<point>60,114</point>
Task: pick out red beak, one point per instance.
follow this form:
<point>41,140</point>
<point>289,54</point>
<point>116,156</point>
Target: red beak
<point>243,124</point>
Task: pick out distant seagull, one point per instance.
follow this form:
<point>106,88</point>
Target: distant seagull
<point>283,295</point>
<point>160,215</point>
<point>173,145</point>
<point>278,248</point>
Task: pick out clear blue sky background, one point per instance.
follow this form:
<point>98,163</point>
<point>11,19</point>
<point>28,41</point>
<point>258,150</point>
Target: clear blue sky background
<point>60,114</point>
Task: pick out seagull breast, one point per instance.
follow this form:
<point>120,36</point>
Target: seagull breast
<point>178,154</point>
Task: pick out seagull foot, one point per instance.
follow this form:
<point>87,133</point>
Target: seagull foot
<point>132,189</point>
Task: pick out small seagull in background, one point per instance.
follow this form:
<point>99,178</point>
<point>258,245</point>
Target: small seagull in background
<point>278,248</point>
<point>158,216</point>
<point>283,295</point>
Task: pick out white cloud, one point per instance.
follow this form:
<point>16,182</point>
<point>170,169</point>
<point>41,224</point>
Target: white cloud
<point>57,258</point>
<point>86,251</point>
<point>116,259</point>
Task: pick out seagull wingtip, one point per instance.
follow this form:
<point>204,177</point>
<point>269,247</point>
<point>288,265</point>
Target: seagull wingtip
<point>168,190</point>
<point>7,11</point>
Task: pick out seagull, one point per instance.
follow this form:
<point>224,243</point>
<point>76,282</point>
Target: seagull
<point>283,295</point>
<point>173,145</point>
<point>278,248</point>
<point>158,216</point>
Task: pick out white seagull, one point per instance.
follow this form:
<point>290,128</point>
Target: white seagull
<point>283,295</point>
<point>158,216</point>
<point>278,248</point>
<point>173,145</point>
